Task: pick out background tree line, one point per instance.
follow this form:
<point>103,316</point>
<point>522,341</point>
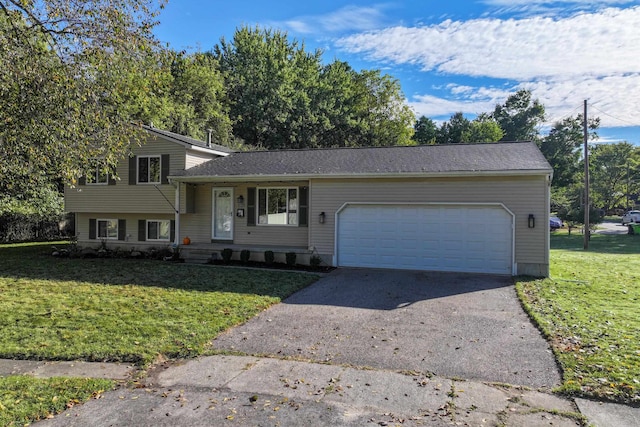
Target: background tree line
<point>614,169</point>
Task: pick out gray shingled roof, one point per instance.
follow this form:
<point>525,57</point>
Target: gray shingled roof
<point>425,159</point>
<point>186,139</point>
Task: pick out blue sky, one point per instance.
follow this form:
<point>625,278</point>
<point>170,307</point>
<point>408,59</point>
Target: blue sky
<point>456,55</point>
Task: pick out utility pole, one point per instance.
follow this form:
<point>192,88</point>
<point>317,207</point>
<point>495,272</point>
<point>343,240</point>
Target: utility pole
<point>585,132</point>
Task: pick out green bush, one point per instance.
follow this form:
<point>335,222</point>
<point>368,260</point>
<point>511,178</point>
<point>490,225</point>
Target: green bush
<point>269,257</point>
<point>227,253</point>
<point>35,215</point>
<point>291,258</point>
<point>315,261</point>
<point>245,254</point>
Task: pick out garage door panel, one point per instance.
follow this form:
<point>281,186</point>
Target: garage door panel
<point>444,238</point>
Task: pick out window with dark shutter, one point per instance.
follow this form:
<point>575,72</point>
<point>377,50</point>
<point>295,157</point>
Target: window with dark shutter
<point>133,161</point>
<point>303,212</point>
<point>165,168</point>
<point>122,229</point>
<point>111,180</point>
<point>142,230</point>
<point>92,228</point>
<point>251,206</point>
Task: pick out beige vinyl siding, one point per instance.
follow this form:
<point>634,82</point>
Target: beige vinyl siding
<point>122,197</point>
<point>195,158</point>
<point>198,226</point>
<point>521,195</point>
<point>131,241</point>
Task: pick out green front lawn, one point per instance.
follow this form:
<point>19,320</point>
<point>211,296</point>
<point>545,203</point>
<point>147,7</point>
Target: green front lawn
<point>25,399</point>
<point>590,311</point>
<point>114,310</point>
<point>124,310</point>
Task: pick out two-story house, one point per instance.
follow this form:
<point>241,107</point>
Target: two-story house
<point>480,208</point>
<point>138,209</point>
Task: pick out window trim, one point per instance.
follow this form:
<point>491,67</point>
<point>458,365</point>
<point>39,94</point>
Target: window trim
<point>288,189</point>
<point>117,221</point>
<point>146,228</point>
<point>95,166</point>
<point>148,156</point>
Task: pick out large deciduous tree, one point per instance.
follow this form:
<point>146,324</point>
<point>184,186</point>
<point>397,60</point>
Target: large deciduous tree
<point>281,96</point>
<point>459,129</point>
<point>561,148</point>
<point>70,71</point>
<point>519,117</point>
<point>615,174</point>
<point>425,131</point>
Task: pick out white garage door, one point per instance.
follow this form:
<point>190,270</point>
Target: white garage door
<point>467,238</point>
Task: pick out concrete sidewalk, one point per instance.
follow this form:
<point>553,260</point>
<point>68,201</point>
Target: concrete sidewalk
<point>243,390</point>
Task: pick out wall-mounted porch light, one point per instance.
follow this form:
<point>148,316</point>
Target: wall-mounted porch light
<point>240,200</point>
<point>321,218</point>
<point>532,221</point>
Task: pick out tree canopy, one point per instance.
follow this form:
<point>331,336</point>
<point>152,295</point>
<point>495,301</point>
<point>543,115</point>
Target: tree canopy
<point>282,96</point>
<point>69,70</point>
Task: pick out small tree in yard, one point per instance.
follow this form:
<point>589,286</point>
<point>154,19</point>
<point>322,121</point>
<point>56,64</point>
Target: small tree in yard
<point>574,216</point>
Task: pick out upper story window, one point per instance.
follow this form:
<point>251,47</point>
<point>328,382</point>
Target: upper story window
<point>96,174</point>
<point>278,206</point>
<point>149,169</point>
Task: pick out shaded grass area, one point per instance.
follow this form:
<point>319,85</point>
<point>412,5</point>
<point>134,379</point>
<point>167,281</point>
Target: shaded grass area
<point>124,310</point>
<point>25,399</point>
<point>590,311</point>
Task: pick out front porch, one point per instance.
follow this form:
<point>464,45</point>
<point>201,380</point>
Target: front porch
<point>202,252</point>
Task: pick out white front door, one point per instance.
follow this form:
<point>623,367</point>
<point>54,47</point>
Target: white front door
<point>222,216</point>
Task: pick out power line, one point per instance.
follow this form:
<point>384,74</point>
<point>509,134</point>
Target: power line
<point>566,116</point>
<point>613,117</point>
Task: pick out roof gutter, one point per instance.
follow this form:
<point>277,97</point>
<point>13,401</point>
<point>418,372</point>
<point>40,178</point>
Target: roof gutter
<point>291,177</point>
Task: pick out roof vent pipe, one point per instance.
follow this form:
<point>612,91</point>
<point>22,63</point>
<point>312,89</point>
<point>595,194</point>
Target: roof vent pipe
<point>209,137</point>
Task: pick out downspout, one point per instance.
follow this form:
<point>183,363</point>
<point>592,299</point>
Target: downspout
<point>177,213</point>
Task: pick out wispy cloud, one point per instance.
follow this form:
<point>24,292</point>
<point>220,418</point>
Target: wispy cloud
<point>562,60</point>
<point>344,20</point>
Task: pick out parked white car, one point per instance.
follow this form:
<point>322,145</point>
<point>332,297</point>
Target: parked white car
<point>631,216</point>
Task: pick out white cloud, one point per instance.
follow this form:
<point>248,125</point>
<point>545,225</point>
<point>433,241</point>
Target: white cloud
<point>598,44</point>
<point>551,2</point>
<point>563,61</point>
<point>348,18</point>
<point>613,99</point>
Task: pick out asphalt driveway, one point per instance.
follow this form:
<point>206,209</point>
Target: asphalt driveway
<point>454,325</point>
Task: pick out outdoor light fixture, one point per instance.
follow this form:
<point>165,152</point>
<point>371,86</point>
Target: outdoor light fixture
<point>321,218</point>
<point>532,221</point>
<point>240,200</point>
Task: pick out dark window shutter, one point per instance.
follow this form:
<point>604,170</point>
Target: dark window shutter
<point>122,229</point>
<point>251,206</point>
<point>173,230</point>
<point>82,180</point>
<point>93,225</point>
<point>142,230</point>
<point>303,211</point>
<point>133,170</point>
<point>111,179</point>
<point>190,195</point>
<point>164,168</point>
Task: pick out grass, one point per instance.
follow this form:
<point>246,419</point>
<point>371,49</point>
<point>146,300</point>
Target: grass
<point>589,309</point>
<point>124,310</point>
<point>114,310</point>
<point>25,399</point>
